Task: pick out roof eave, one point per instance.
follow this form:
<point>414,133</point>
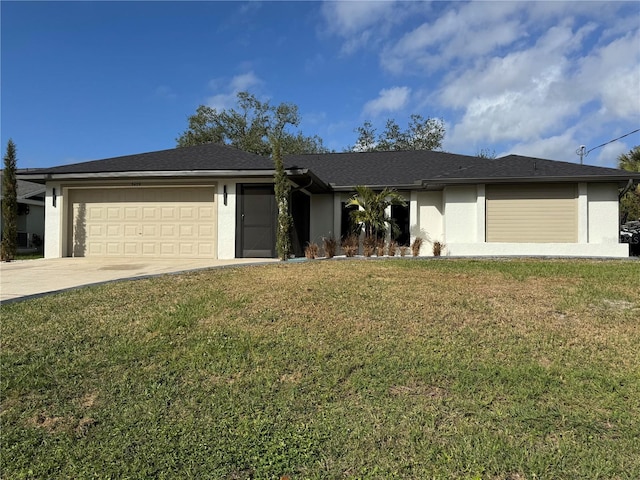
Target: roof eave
<point>148,174</point>
<point>302,173</point>
<point>537,179</point>
<point>34,193</point>
<point>351,188</point>
<point>307,180</point>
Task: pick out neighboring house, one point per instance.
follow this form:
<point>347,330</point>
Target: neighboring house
<point>30,214</point>
<point>215,201</point>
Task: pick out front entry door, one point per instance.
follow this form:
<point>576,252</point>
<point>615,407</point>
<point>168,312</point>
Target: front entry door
<point>256,222</point>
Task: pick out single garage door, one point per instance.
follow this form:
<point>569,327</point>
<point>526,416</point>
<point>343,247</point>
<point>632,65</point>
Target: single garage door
<point>546,213</point>
<point>148,222</point>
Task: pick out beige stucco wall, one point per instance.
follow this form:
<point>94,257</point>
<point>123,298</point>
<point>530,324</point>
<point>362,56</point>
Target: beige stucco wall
<point>56,216</point>
<point>603,209</point>
<point>53,240</point>
<point>460,214</point>
<point>227,220</point>
<point>597,226</point>
<point>455,216</point>
<point>427,218</point>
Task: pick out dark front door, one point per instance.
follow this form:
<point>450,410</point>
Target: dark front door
<point>256,222</point>
<point>300,211</point>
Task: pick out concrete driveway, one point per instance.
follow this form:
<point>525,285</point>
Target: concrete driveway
<point>23,279</point>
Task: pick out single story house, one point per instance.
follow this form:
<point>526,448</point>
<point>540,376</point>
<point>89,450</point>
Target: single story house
<point>30,220</point>
<point>216,201</point>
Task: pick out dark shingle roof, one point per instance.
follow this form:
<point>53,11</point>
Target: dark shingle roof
<point>518,167</point>
<point>395,169</point>
<point>411,167</point>
<point>211,156</point>
<point>380,168</point>
<point>24,189</point>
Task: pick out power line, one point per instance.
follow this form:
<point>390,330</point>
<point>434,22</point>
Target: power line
<point>614,140</point>
<point>583,152</point>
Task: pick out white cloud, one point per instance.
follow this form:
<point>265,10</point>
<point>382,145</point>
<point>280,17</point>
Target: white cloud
<point>532,95</point>
<point>463,32</point>
<point>245,81</point>
<point>361,23</point>
<point>521,70</point>
<point>534,78</point>
<point>389,100</point>
<point>558,147</point>
<point>608,155</point>
<point>239,83</point>
<point>518,97</point>
<point>222,101</point>
<point>347,18</point>
<point>613,74</point>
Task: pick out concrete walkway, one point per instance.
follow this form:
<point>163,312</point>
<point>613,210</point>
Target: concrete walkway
<point>22,279</point>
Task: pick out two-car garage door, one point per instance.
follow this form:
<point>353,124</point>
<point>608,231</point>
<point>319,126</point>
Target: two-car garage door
<point>152,222</point>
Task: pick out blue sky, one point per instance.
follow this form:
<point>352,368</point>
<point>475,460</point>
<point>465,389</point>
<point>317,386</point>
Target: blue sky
<point>90,80</point>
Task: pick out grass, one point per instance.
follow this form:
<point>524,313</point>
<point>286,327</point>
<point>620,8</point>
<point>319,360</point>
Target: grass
<point>333,369</point>
<point>29,256</point>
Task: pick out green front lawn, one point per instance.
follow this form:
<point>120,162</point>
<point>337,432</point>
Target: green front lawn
<point>29,256</point>
<point>330,369</point>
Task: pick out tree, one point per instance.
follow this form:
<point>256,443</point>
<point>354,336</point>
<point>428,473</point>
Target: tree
<point>486,153</point>
<point>630,161</point>
<point>9,205</point>
<point>248,127</point>
<point>283,115</point>
<point>282,191</point>
<point>371,212</point>
<point>421,134</point>
<point>366,138</point>
<point>630,201</point>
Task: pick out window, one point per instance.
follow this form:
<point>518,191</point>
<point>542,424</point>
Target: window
<point>401,215</point>
<point>347,226</point>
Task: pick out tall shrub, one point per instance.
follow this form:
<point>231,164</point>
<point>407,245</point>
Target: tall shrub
<point>282,190</point>
<point>9,205</point>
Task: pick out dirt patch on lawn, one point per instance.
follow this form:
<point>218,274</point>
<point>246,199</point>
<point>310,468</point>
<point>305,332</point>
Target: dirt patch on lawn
<point>57,425</point>
<point>416,389</point>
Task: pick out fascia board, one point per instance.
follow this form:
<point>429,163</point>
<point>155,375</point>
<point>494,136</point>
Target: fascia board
<point>554,179</point>
<point>28,201</point>
<point>157,173</point>
<point>405,186</point>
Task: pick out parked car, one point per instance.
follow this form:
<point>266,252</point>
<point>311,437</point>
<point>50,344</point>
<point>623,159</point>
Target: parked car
<point>630,233</point>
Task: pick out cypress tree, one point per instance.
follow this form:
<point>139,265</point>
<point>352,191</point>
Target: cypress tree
<point>9,205</point>
<point>282,189</point>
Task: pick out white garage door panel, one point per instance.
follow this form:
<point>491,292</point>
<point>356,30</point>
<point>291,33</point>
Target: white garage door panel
<point>170,222</point>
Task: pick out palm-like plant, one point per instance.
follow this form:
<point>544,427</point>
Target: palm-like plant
<point>630,202</point>
<point>630,161</point>
<point>371,212</point>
